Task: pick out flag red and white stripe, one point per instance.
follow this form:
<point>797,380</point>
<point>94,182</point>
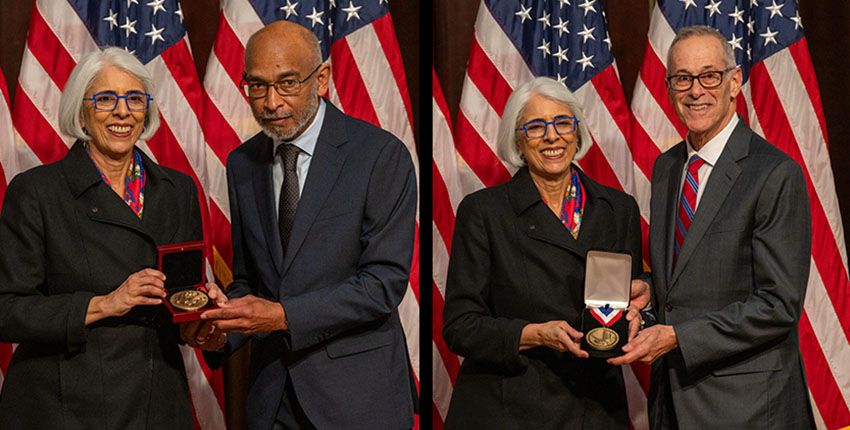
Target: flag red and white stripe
<point>781,102</point>
<point>495,68</point>
<point>367,82</point>
<point>8,159</point>
<point>57,39</point>
<point>8,169</point>
<point>446,195</point>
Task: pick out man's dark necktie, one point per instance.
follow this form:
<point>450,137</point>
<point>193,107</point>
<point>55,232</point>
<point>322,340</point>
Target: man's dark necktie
<point>288,192</point>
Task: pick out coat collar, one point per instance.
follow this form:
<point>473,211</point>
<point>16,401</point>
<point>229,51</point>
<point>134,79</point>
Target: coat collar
<point>259,150</point>
<point>103,205</point>
<point>539,223</point>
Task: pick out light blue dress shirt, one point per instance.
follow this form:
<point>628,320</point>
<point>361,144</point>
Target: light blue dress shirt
<point>306,142</point>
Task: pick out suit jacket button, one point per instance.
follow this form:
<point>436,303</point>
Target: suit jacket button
<point>668,307</point>
<point>94,210</point>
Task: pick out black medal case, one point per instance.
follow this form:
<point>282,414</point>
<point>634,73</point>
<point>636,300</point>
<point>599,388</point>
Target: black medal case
<point>607,286</point>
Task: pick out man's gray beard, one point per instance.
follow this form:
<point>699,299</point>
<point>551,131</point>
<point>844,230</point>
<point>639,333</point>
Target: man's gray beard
<point>300,122</point>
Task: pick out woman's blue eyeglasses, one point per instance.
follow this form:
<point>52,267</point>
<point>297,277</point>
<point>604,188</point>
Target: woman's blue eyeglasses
<point>109,101</point>
<point>537,128</point>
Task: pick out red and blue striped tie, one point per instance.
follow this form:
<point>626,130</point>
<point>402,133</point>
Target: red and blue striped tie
<point>687,203</point>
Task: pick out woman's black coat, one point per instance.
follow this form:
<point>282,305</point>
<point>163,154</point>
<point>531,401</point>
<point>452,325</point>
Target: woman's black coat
<point>66,237</point>
<point>514,263</point>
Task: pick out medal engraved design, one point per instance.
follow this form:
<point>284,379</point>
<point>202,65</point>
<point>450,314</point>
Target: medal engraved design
<point>602,338</point>
<point>189,300</point>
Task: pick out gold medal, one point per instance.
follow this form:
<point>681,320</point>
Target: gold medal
<point>189,300</point>
<point>602,338</point>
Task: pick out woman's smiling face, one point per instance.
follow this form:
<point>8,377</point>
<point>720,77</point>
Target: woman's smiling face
<point>548,156</point>
<point>115,132</point>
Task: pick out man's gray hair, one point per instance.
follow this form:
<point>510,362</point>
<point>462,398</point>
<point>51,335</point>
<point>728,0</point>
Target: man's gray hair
<point>506,144</point>
<point>703,30</point>
<point>81,79</point>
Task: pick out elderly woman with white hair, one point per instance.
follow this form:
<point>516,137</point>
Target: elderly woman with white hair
<point>514,293</point>
<point>78,288</point>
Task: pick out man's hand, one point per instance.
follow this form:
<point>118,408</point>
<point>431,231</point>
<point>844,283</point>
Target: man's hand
<point>557,335</point>
<point>215,293</point>
<point>638,299</point>
<point>635,319</point>
<point>248,315</point>
<point>649,345</point>
<point>639,296</point>
<point>203,335</point>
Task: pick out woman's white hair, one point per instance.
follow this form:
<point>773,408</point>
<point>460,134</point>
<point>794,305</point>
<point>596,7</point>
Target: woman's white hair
<point>81,79</point>
<point>506,145</point>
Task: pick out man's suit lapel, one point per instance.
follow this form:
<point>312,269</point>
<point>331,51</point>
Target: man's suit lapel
<point>723,176</point>
<point>261,180</point>
<point>668,203</point>
<point>325,167</point>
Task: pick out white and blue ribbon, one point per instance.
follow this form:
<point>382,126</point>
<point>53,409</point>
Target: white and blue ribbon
<point>606,315</point>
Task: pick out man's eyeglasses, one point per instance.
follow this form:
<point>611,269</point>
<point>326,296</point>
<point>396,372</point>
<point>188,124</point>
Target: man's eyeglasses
<point>561,124</point>
<point>708,80</point>
<point>255,89</point>
<point>109,101</point>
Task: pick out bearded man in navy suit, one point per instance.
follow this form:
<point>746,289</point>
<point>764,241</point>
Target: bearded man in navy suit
<point>322,248</point>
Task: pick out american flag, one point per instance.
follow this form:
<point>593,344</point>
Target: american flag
<point>8,160</point>
<point>513,42</point>
<point>8,169</point>
<point>780,100</point>
<point>367,81</point>
<point>446,194</point>
<point>60,33</point>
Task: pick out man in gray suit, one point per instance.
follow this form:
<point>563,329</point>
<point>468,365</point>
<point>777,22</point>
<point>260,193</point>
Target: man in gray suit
<point>730,246</point>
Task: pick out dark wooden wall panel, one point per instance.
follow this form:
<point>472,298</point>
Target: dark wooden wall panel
<point>826,23</point>
<point>452,33</point>
<point>14,21</point>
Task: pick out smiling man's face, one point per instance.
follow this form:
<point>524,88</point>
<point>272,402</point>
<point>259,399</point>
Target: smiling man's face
<point>704,111</point>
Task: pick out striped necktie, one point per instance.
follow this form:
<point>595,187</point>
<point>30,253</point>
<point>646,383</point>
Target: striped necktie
<point>687,204</point>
